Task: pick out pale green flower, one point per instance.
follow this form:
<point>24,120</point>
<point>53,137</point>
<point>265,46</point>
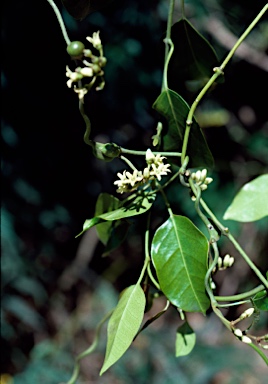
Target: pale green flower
<point>95,40</point>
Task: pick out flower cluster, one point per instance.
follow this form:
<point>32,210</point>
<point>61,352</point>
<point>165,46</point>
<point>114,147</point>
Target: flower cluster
<point>155,169</point>
<point>224,263</point>
<point>93,68</point>
<point>200,178</point>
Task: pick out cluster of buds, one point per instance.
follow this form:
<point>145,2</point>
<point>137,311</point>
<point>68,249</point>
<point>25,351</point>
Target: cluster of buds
<point>224,263</point>
<point>200,178</point>
<point>239,334</point>
<point>128,182</point>
<point>93,65</point>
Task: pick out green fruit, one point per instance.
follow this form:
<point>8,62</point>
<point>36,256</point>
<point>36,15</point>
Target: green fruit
<point>75,49</point>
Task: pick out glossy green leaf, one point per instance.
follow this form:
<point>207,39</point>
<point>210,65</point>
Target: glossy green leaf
<point>105,203</point>
<point>124,324</point>
<point>179,254</point>
<point>193,57</point>
<point>185,340</point>
<point>79,9</point>
<point>136,207</point>
<point>261,300</point>
<point>175,109</point>
<point>251,202</point>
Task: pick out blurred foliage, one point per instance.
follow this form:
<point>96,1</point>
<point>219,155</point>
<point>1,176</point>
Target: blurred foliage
<point>55,288</point>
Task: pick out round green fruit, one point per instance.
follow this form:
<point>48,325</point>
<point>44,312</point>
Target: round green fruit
<point>75,49</point>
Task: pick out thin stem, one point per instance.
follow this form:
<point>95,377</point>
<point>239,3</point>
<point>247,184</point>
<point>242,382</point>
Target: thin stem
<point>61,22</point>
<point>226,232</point>
<point>209,272</point>
<point>87,122</point>
<point>147,252</point>
<point>248,260</point>
<point>165,80</point>
<point>143,153</point>
<point>260,352</point>
<point>232,304</point>
<point>241,296</point>
<point>167,39</point>
<point>243,36</point>
<point>189,120</point>
<point>182,9</point>
<point>218,71</point>
<point>151,276</point>
<point>128,163</point>
<point>89,350</point>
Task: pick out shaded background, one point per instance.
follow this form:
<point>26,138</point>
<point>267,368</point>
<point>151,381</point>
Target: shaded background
<point>55,288</point>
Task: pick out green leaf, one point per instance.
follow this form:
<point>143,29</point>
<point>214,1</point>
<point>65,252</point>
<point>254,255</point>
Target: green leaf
<point>175,109</point>
<point>153,318</point>
<point>193,57</point>
<point>124,324</point>
<point>261,300</point>
<point>185,340</point>
<point>118,234</point>
<point>79,9</point>
<point>105,203</point>
<point>180,253</point>
<point>251,202</point>
<point>136,207</point>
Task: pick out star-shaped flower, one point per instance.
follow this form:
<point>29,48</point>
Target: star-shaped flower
<point>95,40</point>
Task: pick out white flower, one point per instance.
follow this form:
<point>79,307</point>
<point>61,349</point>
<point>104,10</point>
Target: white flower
<point>74,76</point>
<point>154,159</point>
<point>95,40</point>
<point>134,178</point>
<point>81,92</point>
<point>128,180</point>
<point>88,72</point>
<point>160,170</point>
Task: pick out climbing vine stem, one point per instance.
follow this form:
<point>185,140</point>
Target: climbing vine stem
<point>218,72</point>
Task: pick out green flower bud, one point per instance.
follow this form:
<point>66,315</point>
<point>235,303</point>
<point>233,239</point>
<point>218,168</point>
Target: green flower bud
<point>106,152</point>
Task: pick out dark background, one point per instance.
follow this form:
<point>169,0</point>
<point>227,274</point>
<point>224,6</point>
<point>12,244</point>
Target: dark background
<point>50,182</point>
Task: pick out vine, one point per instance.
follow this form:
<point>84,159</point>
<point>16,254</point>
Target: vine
<point>180,261</point>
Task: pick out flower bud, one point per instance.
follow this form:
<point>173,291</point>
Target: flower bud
<point>149,156</point>
<point>106,152</point>
<point>238,333</point>
<point>208,180</point>
<point>203,174</point>
<point>246,340</point>
<point>219,262</point>
<point>87,71</point>
<point>198,176</point>
<point>226,260</point>
<point>248,312</point>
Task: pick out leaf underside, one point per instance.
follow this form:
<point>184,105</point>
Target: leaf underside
<point>124,324</point>
<point>251,202</point>
<point>185,340</point>
<point>138,206</point>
